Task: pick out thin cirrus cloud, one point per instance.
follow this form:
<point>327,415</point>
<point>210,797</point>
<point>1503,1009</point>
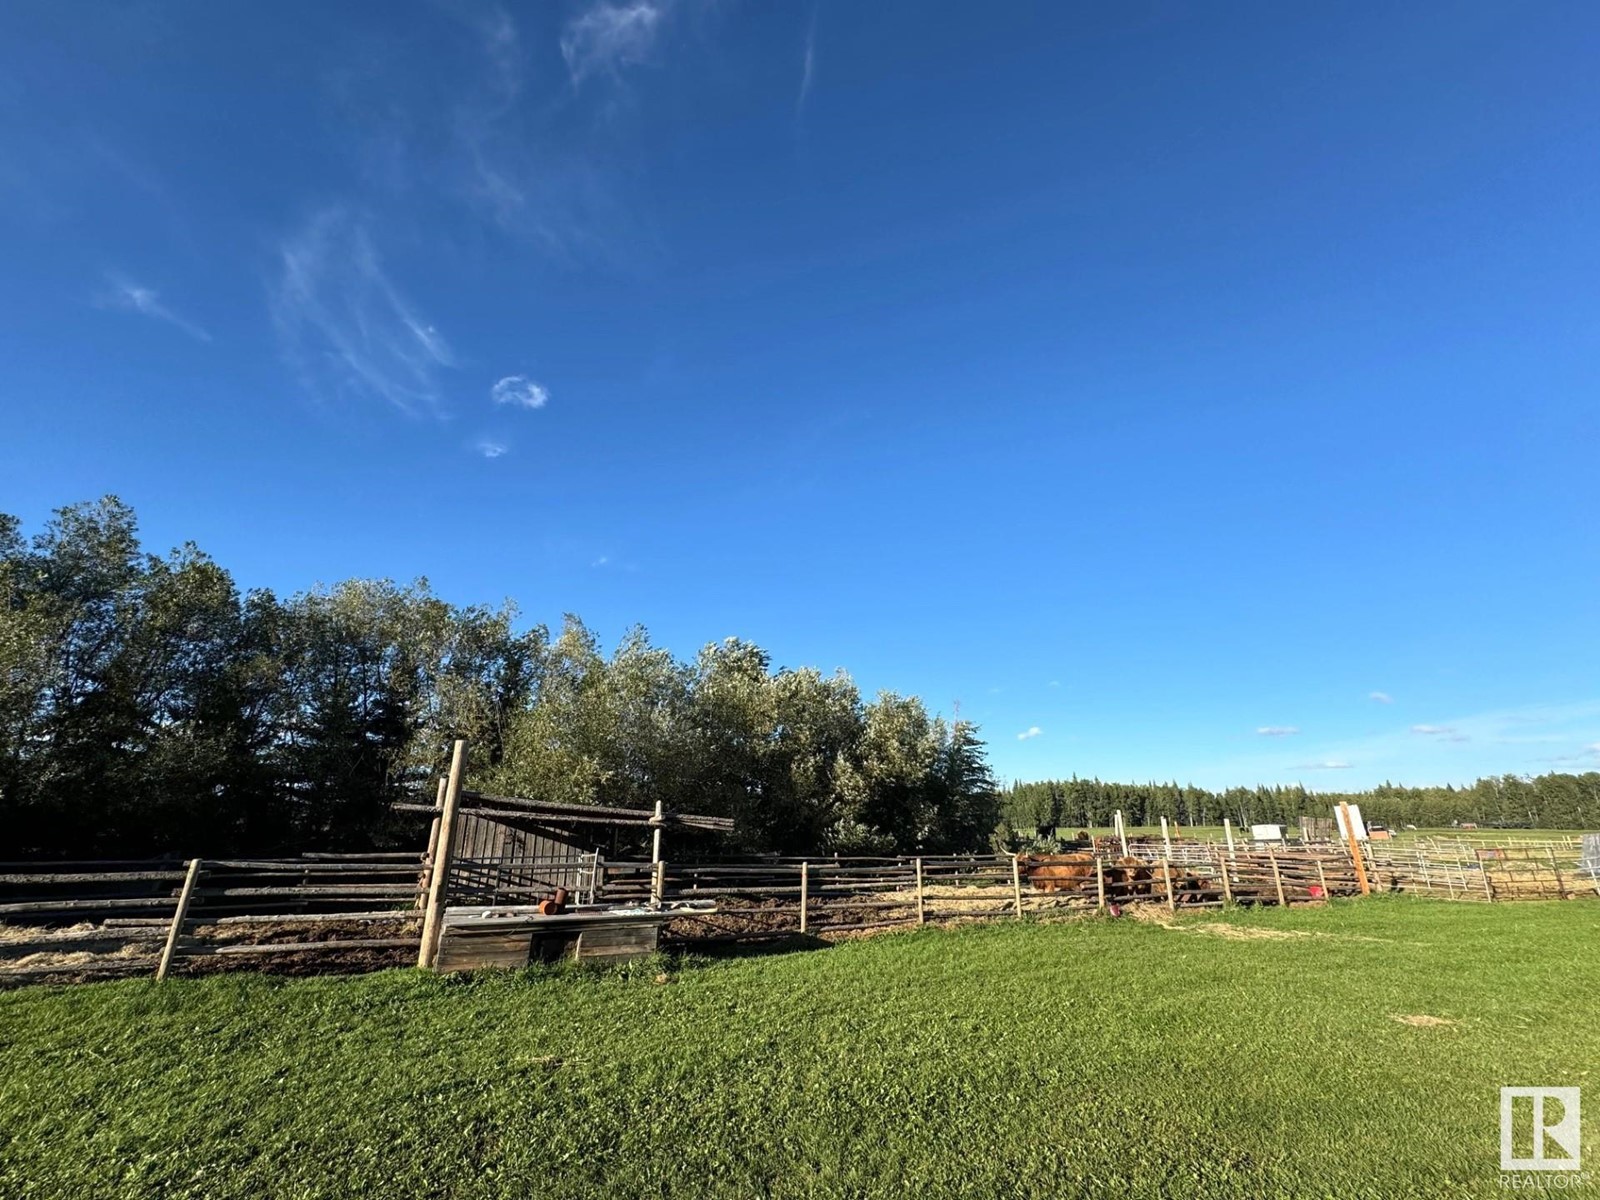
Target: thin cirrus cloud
<point>808,65</point>
<point>1327,764</point>
<point>1278,730</point>
<point>1380,697</point>
<point>345,327</point>
<point>608,37</point>
<point>126,296</point>
<point>1032,731</point>
<point>1433,730</point>
<point>491,449</point>
<point>518,391</point>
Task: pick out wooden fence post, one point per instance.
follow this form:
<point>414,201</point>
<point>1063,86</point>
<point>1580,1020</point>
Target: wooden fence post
<point>444,854</point>
<point>1227,832</point>
<point>922,912</point>
<point>805,892</point>
<point>1166,837</point>
<point>1100,882</point>
<point>1277,877</point>
<point>1166,873</point>
<point>1322,880</point>
<point>1227,886</point>
<point>179,915</point>
<point>658,882</point>
<point>1016,884</point>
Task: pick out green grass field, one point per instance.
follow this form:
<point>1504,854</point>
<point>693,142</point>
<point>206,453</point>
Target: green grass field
<point>1098,1057</point>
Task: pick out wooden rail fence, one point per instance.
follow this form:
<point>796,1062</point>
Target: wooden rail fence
<point>350,912</point>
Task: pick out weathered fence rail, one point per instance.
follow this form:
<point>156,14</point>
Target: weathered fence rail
<point>64,920</point>
<point>351,912</point>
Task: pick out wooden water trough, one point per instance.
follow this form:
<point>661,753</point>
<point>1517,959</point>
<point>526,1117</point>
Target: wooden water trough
<point>517,935</point>
<point>491,858</point>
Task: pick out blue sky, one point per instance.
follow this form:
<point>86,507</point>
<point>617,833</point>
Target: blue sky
<point>1187,391</point>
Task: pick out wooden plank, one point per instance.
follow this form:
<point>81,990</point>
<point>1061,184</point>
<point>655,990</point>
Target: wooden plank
<point>618,942</point>
<point>1355,850</point>
<point>463,952</point>
<point>52,877</point>
<point>1166,874</point>
<point>439,878</point>
<point>1227,885</point>
<point>1016,885</point>
<point>1100,882</point>
<point>922,908</point>
<point>299,947</point>
<point>178,915</point>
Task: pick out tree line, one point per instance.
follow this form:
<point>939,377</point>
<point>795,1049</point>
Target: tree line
<point>1552,801</point>
<point>149,706</point>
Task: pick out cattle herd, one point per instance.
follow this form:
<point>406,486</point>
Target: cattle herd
<point>1124,878</point>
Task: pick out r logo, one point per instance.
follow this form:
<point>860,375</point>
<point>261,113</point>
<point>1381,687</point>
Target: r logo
<point>1553,1129</point>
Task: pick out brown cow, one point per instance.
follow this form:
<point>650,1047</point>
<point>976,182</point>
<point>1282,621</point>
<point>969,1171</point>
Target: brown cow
<point>1057,872</point>
<point>1132,876</point>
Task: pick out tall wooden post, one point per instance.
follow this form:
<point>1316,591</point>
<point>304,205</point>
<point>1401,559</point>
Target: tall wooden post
<point>1483,869</point>
<point>1122,833</point>
<point>1227,886</point>
<point>805,892</point>
<point>443,855</point>
<point>1166,873</point>
<point>1227,832</point>
<point>1016,885</point>
<point>1100,882</point>
<point>1355,849</point>
<point>922,912</point>
<point>1277,877</point>
<point>1166,837</point>
<point>179,915</point>
<point>655,839</point>
<point>1322,879</point>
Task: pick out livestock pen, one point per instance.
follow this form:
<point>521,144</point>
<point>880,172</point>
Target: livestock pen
<point>487,888</point>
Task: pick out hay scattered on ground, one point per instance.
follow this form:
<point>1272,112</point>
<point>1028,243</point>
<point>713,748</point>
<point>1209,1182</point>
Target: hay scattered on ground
<point>1422,1020</point>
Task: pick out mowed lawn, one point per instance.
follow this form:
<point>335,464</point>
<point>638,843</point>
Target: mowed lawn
<point>1099,1057</point>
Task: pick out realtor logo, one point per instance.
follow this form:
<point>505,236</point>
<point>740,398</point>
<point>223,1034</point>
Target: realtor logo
<point>1543,1120</point>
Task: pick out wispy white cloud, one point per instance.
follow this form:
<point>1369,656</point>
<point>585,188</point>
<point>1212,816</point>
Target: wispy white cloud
<point>1032,731</point>
<point>1381,697</point>
<point>126,296</point>
<point>492,449</point>
<point>603,560</point>
<point>343,323</point>
<point>608,37</point>
<point>518,391</point>
<point>808,64</point>
<point>1463,748</point>
<point>1278,730</point>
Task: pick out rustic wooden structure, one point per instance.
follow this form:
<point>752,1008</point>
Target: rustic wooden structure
<point>494,857</point>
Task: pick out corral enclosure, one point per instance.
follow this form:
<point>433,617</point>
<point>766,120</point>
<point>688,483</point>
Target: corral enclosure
<point>493,883</point>
<point>341,913</point>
